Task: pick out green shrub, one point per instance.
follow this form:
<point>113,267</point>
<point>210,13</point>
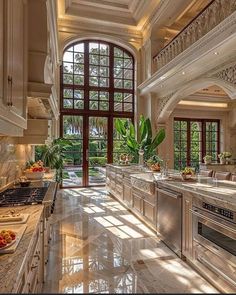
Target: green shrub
<point>101,161</point>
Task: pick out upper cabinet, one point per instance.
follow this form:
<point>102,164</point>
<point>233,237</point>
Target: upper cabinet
<point>13,64</point>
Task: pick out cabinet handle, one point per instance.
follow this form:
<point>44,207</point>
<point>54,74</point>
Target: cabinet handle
<point>9,79</point>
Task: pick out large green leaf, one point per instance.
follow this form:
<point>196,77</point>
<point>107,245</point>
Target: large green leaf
<point>131,130</point>
<point>119,124</point>
<point>142,129</point>
<point>157,140</point>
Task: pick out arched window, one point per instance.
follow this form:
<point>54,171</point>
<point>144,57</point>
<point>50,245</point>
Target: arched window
<point>97,87</point>
<point>97,76</point>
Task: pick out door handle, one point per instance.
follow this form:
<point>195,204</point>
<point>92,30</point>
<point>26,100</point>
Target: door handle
<point>87,155</point>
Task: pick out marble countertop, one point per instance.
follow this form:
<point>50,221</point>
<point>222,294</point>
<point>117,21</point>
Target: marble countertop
<point>12,264</point>
<point>223,192</point>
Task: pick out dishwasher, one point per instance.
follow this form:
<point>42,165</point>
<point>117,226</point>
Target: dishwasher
<point>169,218</point>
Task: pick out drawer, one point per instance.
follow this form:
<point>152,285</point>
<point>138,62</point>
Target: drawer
<point>151,199</point>
<point>137,202</point>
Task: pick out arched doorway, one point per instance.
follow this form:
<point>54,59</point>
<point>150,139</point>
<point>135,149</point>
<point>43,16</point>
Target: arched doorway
<point>97,86</point>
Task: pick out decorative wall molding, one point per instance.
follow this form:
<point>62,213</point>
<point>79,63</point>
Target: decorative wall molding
<point>228,74</point>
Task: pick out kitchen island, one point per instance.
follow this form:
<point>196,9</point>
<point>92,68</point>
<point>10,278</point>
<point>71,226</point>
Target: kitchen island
<point>24,270</point>
<point>207,211</point>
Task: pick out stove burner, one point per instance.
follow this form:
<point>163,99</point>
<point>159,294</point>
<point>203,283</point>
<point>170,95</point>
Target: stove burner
<point>22,196</point>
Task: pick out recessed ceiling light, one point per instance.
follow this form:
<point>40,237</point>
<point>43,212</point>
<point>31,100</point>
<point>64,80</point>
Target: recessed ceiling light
<point>183,73</point>
<point>216,53</point>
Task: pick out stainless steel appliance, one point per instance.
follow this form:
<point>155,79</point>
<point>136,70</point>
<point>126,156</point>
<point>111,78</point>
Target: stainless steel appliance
<point>169,218</point>
<point>214,233</point>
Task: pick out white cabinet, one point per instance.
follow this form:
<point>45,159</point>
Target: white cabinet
<point>13,62</point>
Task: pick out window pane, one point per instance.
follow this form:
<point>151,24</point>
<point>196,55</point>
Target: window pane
<point>79,47</point>
<point>93,81</point>
<point>104,95</point>
<point>104,71</point>
<point>93,71</point>
<point>104,61</point>
<point>118,83</point>
<point>79,104</point>
<point>72,126</point>
<point>79,94</point>
<point>68,93</point>
<point>128,84</point>
<point>79,69</point>
<point>118,96</point>
<point>68,67</point>
<point>118,73</point>
<point>93,105</point>
<point>78,80</point>
<point>67,79</point>
<point>103,106</point>
<point>118,52</point>
<point>68,103</point>
<point>68,56</point>
<point>103,82</point>
<point>94,59</point>
<point>128,97</point>
<point>104,49</point>
<point>128,63</point>
<point>127,107</point>
<point>118,107</point>
<point>93,47</point>
<point>128,74</point>
<point>79,58</point>
<point>118,62</point>
<point>93,95</point>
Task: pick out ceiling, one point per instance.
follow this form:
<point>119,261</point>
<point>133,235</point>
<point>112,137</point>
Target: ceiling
<point>117,12</point>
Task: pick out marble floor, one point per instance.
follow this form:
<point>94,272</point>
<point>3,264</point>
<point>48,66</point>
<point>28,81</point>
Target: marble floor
<point>98,246</point>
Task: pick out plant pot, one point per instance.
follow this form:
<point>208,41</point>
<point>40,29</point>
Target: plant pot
<point>222,161</point>
<point>186,176</point>
<point>154,167</point>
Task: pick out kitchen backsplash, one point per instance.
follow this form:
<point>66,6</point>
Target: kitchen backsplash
<point>13,157</point>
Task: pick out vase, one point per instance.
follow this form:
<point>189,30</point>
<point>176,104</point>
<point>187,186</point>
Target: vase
<point>222,161</point>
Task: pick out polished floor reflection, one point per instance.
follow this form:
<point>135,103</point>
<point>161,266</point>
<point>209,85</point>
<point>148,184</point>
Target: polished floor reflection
<point>98,246</point>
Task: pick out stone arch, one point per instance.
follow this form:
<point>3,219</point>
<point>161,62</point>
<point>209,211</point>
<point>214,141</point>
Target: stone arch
<point>118,41</point>
<point>169,103</point>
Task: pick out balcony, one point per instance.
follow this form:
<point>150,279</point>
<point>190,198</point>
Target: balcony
<point>203,23</point>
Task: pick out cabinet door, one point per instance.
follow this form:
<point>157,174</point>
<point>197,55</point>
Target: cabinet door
<point>17,62</point>
<point>150,212</point>
<point>127,194</point>
<point>187,227</point>
<point>137,202</point>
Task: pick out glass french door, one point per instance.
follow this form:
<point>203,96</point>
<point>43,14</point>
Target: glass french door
<point>85,156</point>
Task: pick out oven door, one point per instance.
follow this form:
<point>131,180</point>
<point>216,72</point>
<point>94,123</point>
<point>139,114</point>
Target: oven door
<point>215,244</point>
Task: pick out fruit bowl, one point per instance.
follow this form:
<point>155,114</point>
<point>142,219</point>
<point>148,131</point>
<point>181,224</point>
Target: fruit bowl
<point>34,175</point>
<point>186,176</point>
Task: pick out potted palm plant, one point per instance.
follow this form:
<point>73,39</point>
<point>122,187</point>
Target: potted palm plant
<point>54,154</point>
<point>144,140</point>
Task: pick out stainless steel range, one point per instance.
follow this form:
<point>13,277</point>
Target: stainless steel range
<point>214,232</point>
<point>22,196</point>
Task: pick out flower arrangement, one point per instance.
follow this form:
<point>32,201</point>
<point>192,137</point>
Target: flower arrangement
<point>154,163</point>
<point>225,155</point>
<point>187,173</point>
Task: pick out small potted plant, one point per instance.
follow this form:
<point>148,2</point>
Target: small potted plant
<point>187,173</point>
<point>154,163</point>
<point>224,157</point>
<point>207,159</point>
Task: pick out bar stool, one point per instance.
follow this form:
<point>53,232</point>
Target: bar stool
<point>222,175</point>
<point>207,173</point>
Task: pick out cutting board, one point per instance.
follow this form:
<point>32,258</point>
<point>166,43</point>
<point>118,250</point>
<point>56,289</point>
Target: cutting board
<point>24,220</point>
<point>19,230</point>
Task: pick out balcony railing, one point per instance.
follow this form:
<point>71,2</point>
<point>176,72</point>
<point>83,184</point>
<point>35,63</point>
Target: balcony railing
<point>204,22</point>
